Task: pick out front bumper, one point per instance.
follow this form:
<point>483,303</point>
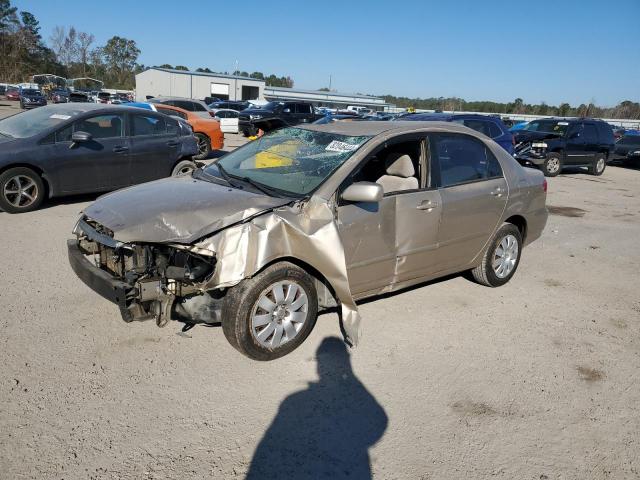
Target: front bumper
<point>101,282</point>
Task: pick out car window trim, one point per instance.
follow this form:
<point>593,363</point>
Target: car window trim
<point>131,128</point>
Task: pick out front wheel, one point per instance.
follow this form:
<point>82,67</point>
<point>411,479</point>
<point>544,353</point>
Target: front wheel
<point>598,165</point>
<point>552,165</point>
<point>21,190</point>
<point>501,259</point>
<point>271,314</point>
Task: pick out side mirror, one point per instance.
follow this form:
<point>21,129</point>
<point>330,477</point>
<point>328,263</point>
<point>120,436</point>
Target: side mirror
<point>363,192</point>
<point>80,137</point>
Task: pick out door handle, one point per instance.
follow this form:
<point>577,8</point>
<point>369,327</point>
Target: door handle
<point>120,149</point>
<point>497,192</point>
<point>172,143</point>
<point>427,205</point>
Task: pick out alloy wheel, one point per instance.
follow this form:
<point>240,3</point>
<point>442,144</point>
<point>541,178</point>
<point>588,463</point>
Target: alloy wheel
<point>505,256</point>
<point>20,191</point>
<point>553,165</point>
<point>600,164</point>
<point>279,314</point>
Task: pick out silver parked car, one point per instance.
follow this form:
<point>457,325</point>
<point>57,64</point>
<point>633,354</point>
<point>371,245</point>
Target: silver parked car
<point>309,218</point>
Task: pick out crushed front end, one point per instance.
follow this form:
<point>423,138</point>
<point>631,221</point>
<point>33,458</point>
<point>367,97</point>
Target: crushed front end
<point>147,281</point>
<point>531,152</point>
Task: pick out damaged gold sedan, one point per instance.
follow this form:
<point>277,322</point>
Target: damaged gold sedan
<point>306,219</point>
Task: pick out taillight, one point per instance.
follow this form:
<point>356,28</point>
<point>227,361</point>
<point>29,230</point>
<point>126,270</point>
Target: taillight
<point>544,185</point>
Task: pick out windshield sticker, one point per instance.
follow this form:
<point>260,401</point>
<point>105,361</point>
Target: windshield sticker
<point>60,117</point>
<point>563,123</point>
<point>336,146</point>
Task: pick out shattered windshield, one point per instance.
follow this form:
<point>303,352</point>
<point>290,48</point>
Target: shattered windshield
<point>290,160</point>
<point>547,126</point>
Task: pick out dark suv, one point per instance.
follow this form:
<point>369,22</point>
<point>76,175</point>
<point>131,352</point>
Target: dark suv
<point>554,143</point>
<point>275,115</point>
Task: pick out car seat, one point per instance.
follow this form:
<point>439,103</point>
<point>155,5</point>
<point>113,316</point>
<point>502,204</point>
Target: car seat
<point>400,174</point>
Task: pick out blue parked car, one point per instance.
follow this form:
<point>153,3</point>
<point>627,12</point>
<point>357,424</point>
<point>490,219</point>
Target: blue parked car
<point>492,127</point>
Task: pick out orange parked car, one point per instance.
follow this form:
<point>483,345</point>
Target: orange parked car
<point>207,131</point>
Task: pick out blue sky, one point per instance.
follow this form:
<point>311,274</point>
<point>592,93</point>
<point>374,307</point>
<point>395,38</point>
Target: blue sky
<point>540,50</point>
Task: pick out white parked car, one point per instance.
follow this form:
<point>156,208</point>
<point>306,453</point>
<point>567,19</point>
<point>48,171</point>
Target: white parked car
<point>228,120</point>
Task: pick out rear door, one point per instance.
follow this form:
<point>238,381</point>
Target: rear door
<point>228,121</point>
<point>100,164</point>
<point>576,148</point>
<point>474,195</point>
<point>154,147</point>
<point>591,142</point>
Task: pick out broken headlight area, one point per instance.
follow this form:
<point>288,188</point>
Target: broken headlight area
<point>165,281</point>
<point>530,150</point>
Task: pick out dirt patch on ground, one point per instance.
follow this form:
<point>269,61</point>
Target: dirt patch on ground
<point>590,374</point>
<point>566,211</point>
<point>474,409</point>
<point>550,282</point>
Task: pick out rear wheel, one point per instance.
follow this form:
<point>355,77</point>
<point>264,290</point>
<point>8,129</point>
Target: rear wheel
<point>501,259</point>
<point>204,146</point>
<point>184,167</point>
<point>552,165</point>
<point>21,190</point>
<point>271,314</point>
<point>598,165</point>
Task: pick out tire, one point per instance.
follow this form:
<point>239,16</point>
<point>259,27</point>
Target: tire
<point>261,333</point>
<point>598,166</point>
<point>183,167</point>
<point>552,165</point>
<point>486,273</point>
<point>28,187</point>
<point>204,146</point>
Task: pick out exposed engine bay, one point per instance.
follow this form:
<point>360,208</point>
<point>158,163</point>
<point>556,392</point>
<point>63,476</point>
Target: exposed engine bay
<point>165,282</point>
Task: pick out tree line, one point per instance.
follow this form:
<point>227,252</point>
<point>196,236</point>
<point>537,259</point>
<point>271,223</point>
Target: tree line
<point>625,109</point>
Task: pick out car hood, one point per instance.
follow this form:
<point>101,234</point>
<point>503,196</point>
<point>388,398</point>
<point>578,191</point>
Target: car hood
<point>176,210</point>
<point>526,136</point>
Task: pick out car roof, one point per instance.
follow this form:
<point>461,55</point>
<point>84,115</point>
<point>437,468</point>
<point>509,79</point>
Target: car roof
<point>90,107</point>
<point>376,128</point>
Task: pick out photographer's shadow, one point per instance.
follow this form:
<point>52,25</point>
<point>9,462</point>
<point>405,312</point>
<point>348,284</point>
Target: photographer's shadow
<point>324,431</point>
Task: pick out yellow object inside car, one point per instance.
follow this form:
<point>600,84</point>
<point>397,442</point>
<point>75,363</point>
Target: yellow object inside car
<point>278,155</point>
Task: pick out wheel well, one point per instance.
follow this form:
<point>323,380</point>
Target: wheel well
<point>38,170</point>
<point>520,222</point>
<point>326,295</point>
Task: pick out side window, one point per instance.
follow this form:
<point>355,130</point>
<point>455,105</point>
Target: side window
<point>590,133</point>
<point>197,107</point>
<point>494,130</point>
<point>396,167</point>
<point>64,134</point>
<point>148,125</point>
<point>172,127</point>
<point>101,126</point>
<point>479,126</point>
<point>183,105</point>
<point>303,108</point>
<point>575,131</point>
<point>463,159</point>
<point>289,106</point>
<point>221,114</point>
<point>175,113</point>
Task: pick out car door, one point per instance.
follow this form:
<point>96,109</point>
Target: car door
<point>228,121</point>
<point>288,113</point>
<point>591,142</point>
<point>153,147</point>
<point>474,194</point>
<point>304,113</point>
<point>576,148</point>
<point>393,240</point>
<point>99,164</point>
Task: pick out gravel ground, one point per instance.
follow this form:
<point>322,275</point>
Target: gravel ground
<point>534,380</point>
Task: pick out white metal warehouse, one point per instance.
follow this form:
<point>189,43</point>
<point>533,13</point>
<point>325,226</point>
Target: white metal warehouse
<point>156,82</point>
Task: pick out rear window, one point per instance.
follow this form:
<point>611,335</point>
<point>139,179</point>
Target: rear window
<point>175,113</point>
<point>148,125</point>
